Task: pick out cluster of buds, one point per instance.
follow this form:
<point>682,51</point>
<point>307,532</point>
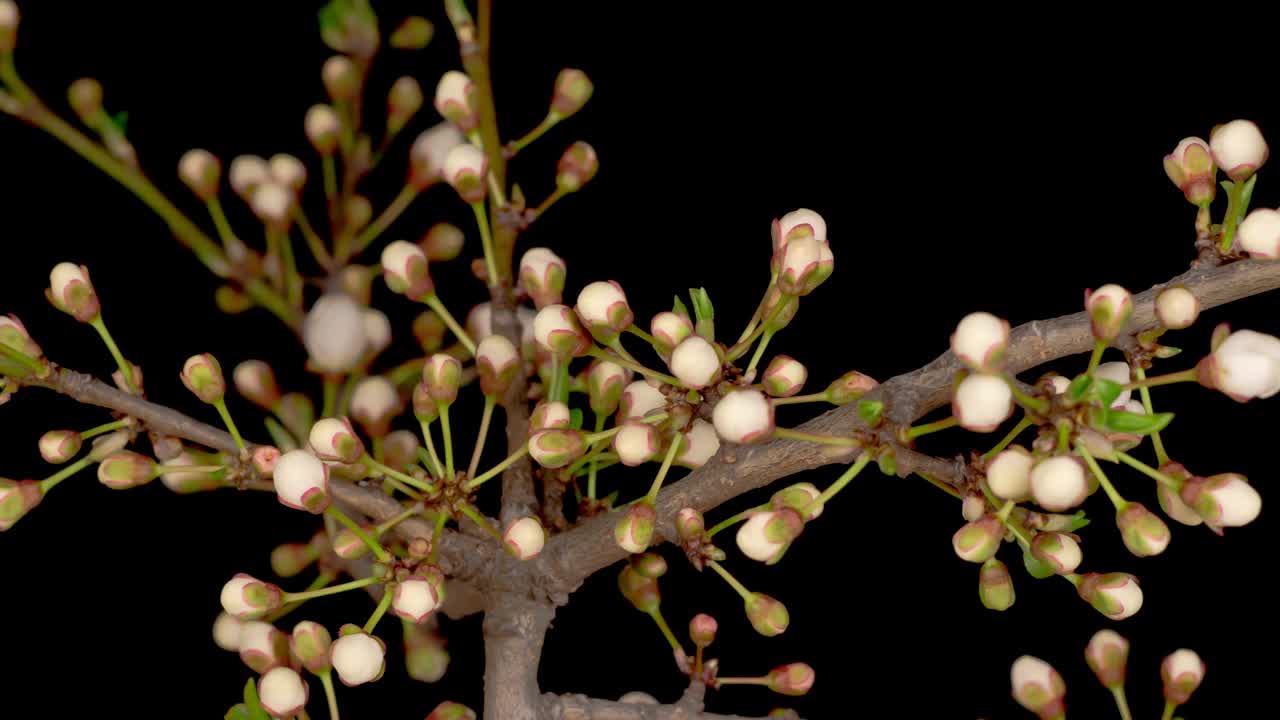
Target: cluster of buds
<point>802,259</point>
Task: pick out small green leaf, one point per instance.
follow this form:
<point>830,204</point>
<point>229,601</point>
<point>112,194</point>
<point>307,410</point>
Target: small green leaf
<point>239,711</point>
<point>1164,352</point>
<point>1246,194</point>
<point>888,462</point>
<point>120,120</point>
<point>1121,421</point>
<point>575,418</point>
<point>1078,387</point>
<point>253,706</point>
<point>702,307</point>
<point>1036,568</point>
<point>1078,521</point>
<point>678,307</point>
<point>1106,391</point>
<point>870,410</point>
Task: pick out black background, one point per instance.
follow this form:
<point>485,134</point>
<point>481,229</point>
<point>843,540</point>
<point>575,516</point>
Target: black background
<point>962,166</point>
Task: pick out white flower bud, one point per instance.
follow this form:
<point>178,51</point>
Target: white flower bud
<point>415,598</point>
<point>322,125</point>
<point>603,308</point>
<point>497,362</point>
<point>1060,384</point>
<point>977,541</point>
<point>465,169</point>
<point>1246,365</point>
<point>200,171</point>
<point>979,341</point>
<point>246,173</point>
<point>695,362</point>
<point>1259,234</point>
<point>1009,473</point>
<point>339,77</point>
<point>550,414</point>
<point>1182,671</point>
<point>71,291</point>
<point>982,402</point>
<point>263,646</point>
<point>288,171</point>
<point>1175,508</point>
<point>670,329</point>
<point>700,444</point>
<point>1058,550</point>
<point>765,536</point>
<point>226,631</point>
<point>1059,483</point>
<point>1238,148</point>
<point>358,657</point>
<point>542,275</point>
<point>375,403</point>
<point>525,538</point>
<point>1115,595</point>
<point>640,398</point>
<point>1109,308</point>
<point>1107,654</point>
<point>973,507</point>
<point>282,692</point>
<point>334,333</point>
<point>1116,372</point>
<point>246,597</point>
<point>301,481</point>
<point>1037,686</point>
<point>557,330</point>
<point>427,156</point>
<point>636,443</point>
<point>377,330</point>
<point>454,100</point>
<point>1178,308</point>
<point>333,439</point>
<point>784,376</point>
<point>794,222</point>
<point>271,202</point>
<point>1223,500</point>
<point>743,416</point>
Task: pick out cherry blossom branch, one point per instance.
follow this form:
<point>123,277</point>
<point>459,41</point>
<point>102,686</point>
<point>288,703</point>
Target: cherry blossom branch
<point>580,707</point>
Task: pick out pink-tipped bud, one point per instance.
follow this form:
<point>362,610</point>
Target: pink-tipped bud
<point>849,387</point>
<point>455,100</point>
<point>424,408</point>
<point>71,291</point>
<point>404,99</point>
<point>203,377</point>
<point>1144,533</point>
<point>784,376</point>
<point>696,362</point>
<point>640,590</point>
<point>262,646</point>
<point>264,459</point>
<point>577,166</point>
<point>1109,308</point>
<point>744,416</point>
<point>690,524</point>
<point>805,263</point>
<point>301,481</point>
<point>358,656</point>
<point>465,169</point>
<point>797,224</point>
<point>14,335</point>
<point>700,444</point>
<point>650,564</point>
<point>348,545</point>
<point>1244,364</point>
<point>794,679</point>
<point>288,171</point>
<point>1059,551</point>
<point>200,171</point>
<point>1059,483</point>
<point>1107,655</point>
<point>702,630</point>
<point>1238,148</point>
<point>1181,672</point>
<point>639,398</point>
<point>1038,687</point>
<point>1116,595</point>
<point>246,597</point>
<point>322,127</point>
<point>334,439</point>
<point>768,616</point>
<point>982,402</point>
<point>340,77</point>
<point>226,632</point>
<point>1009,473</point>
<point>1259,234</point>
<point>498,363</point>
<point>525,538</point>
<point>416,597</point>
<point>442,374</point>
<point>766,536</point>
<point>125,469</point>
<point>973,507</point>
<point>669,330</point>
<point>282,692</point>
<point>1178,308</point>
<point>556,330</point>
<point>995,586</point>
<point>17,498</point>
<point>375,403</point>
<point>978,541</point>
<point>1173,506</point>
<point>979,341</point>
<point>310,643</point>
<point>1190,167</point>
<point>1224,500</point>
<point>255,381</point>
<point>602,307</point>
<point>556,448</point>
<point>430,151</point>
<point>542,275</point>
<point>404,267</point>
<point>800,497</point>
<point>605,383</point>
<point>634,532</point>
<point>59,446</point>
<point>450,710</point>
<point>636,443</point>
<point>573,90</point>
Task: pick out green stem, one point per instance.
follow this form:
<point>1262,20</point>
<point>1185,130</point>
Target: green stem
<point>105,428</point>
<point>381,528</point>
<point>441,518</point>
<point>597,352</point>
<point>558,364</point>
<point>759,353</point>
<point>1098,347</point>
<point>742,681</point>
<point>326,679</point>
<point>812,397</point>
<point>1149,471</point>
<point>225,233</point>
<point>1232,219</point>
<point>447,436</point>
<point>52,481</point>
<point>815,438</point>
<point>433,302</point>
<point>486,242</point>
<point>221,405</point>
<point>733,581</point>
<point>666,465</point>
<point>755,316</point>
<point>289,269</point>
<point>1169,707</point>
<point>376,466</point>
<point>330,401</point>
<point>1122,702</point>
<point>730,522</point>
<point>1036,404</point>
<point>1162,457</point>
<point>641,334</point>
<point>485,417</point>
<point>30,363</point>
<point>547,123</point>
<point>843,480</point>
<point>1189,375</point>
<point>593,466</point>
<point>666,629</point>
<point>597,436</point>
<point>331,590</point>
<point>917,430</point>
<point>126,369</point>
<point>432,460</point>
<point>496,469</point>
<point>480,520</point>
<point>384,220</point>
<point>1023,424</point>
<point>379,611</point>
<point>549,201</point>
<point>330,179</point>
<point>314,243</point>
<point>378,551</point>
<point>1107,487</point>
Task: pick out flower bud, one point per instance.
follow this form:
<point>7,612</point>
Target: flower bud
<point>404,267</point>
<point>125,469</point>
<point>978,541</point>
<point>982,402</point>
<point>1224,500</point>
<point>348,545</point>
<point>271,203</point>
<point>358,656</point>
<point>1178,308</point>
<point>1009,473</point>
<point>1119,373</point>
<point>310,643</point>
<point>498,363</point>
<point>429,152</point>
<point>290,559</point>
<point>979,341</point>
<point>1059,483</point>
<point>416,597</point>
<point>404,99</point>
<point>1259,234</point>
<point>1116,595</point>
<point>972,507</point>
<point>322,126</point>
<point>639,399</point>
<point>768,616</point>
<point>200,171</point>
<point>262,646</point>
<point>702,630</point>
<point>573,90</point>
<point>744,416</point>
<point>185,482</point>
<point>804,265</point>
<point>302,481</point>
<point>640,590</point>
<point>525,538</point>
<point>450,710</point>
<point>1190,167</point>
<point>603,309</point>
<point>1238,148</point>
<point>556,330</point>
<point>8,26</point>
<point>14,335</point>
<point>1181,672</point>
<point>465,169</point>
<point>1172,505</point>
<point>424,408</point>
<point>796,224</point>
<point>794,679</point>
<point>297,413</point>
<point>226,632</point>
<point>246,173</point>
<point>17,498</point>
<point>650,564</point>
<point>765,536</point>
<point>334,333</point>
<point>340,78</point>
<point>455,100</point>
<point>442,374</point>
<point>413,33</point>
<point>255,381</point>
<point>1059,551</point>
<point>59,446</point>
<point>1038,687</point>
<point>430,330</point>
<point>849,387</point>
<point>784,376</point>
<point>669,330</point>
<point>696,362</point>
<point>426,658</point>
<point>995,586</point>
<point>334,439</point>
<point>105,446</point>
<point>1143,532</point>
<point>634,532</point>
<point>690,524</point>
<point>557,447</point>
<point>700,444</point>
<point>605,382</point>
<point>1244,365</point>
<point>282,692</point>
<point>375,403</point>
<point>203,377</point>
<point>576,167</point>
<point>799,497</point>
<point>71,292</point>
<point>1107,654</point>
<point>542,275</point>
<point>287,171</point>
<point>636,443</point>
<point>1109,308</point>
<point>246,597</point>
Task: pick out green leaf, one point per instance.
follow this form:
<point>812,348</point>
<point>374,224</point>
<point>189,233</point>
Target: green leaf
<point>251,702</point>
<point>1078,521</point>
<point>678,307</point>
<point>870,410</point>
<point>1246,194</point>
<point>240,711</point>
<point>575,418</point>
<point>1078,387</point>
<point>120,120</point>
<point>1164,352</point>
<point>1036,568</point>
<point>1106,391</point>
<point>1121,421</point>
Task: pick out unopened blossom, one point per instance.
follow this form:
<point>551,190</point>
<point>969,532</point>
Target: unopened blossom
<point>125,469</point>
<point>1190,166</point>
<point>973,506</point>
<point>288,171</point>
<point>426,659</point>
<point>743,416</point>
<point>557,330</point>
<point>978,541</point>
<point>413,33</point>
<point>803,265</point>
<point>340,77</point>
<point>442,374</point>
<point>669,329</point>
<point>849,387</point>
<point>793,679</point>
<point>690,524</point>
<point>200,171</point>
<point>1109,308</point>
<point>577,165</point>
<point>1059,551</point>
<point>415,598</point>
<point>442,242</point>
<point>455,100</point>
<point>272,202</point>
<point>1116,595</point>
<point>321,125</point>
<point>525,538</point>
<point>1238,148</point>
<point>1009,473</point>
<point>784,376</point>
<point>700,444</point>
<point>768,616</point>
<point>1259,234</point>
<point>375,403</point>
<point>981,402</point>
<point>1244,366</point>
<point>1119,373</point>
<point>263,646</point>
<point>256,382</point>
<point>202,375</point>
<point>1038,687</point>
<point>639,398</point>
<point>429,151</point>
<point>602,307</point>
<point>1171,503</point>
<point>1143,532</point>
<point>9,16</point>
<point>226,631</point>
<point>550,414</point>
<point>246,597</point>
<point>497,363</point>
<point>765,536</point>
<point>282,692</point>
<point>995,586</point>
<point>1058,483</point>
<point>466,170</point>
<point>334,439</point>
<point>634,532</point>
<point>59,446</point>
<point>334,333</point>
<point>702,630</point>
<point>1107,655</point>
<point>403,100</point>
<point>17,498</point>
<point>573,89</point>
<point>1178,308</point>
<point>404,267</point>
<point>800,497</point>
<point>1181,671</point>
<point>186,481</point>
<point>636,443</point>
<point>557,447</point>
<point>358,657</point>
<point>71,291</point>
<point>301,481</point>
<point>798,223</point>
<point>450,710</point>
<point>14,335</point>
<point>246,173</point>
<point>542,275</point>
<point>695,362</point>
<point>980,340</point>
<point>1223,500</point>
<point>377,330</point>
<point>605,383</point>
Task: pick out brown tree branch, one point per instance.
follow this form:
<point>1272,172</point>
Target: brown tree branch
<point>571,557</point>
<point>518,498</point>
<point>580,707</point>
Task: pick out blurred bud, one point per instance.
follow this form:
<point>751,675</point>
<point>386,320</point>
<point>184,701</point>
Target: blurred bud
<point>262,646</point>
<point>1190,167</point>
<point>231,300</point>
<point>577,166</point>
<point>340,77</point>
<point>426,658</point>
<point>424,408</point>
<point>246,597</point>
<point>702,630</point>
<point>982,402</point>
<point>1238,148</point>
<point>255,381</point>
<point>524,538</point>
<point>202,375</point>
<point>1181,672</point>
<point>1109,308</point>
<point>310,643</point>
<point>556,448</point>
<point>455,100</point>
<point>404,99</point>
<point>334,439</point>
<point>301,481</point>
<point>71,291</point>
<point>200,171</point>
<point>498,363</point>
<point>1259,234</point>
<point>1107,654</point>
<point>400,449</point>
<point>85,97</point>
<point>690,524</point>
<point>640,590</point>
<point>973,506</point>
<point>125,469</point>
<point>1059,483</point>
<point>375,403</point>
<point>17,498</point>
<point>287,171</point>
<point>59,446</point>
<point>636,443</point>
<point>1038,687</point>
<point>556,330</point>
<point>226,632</point>
<point>358,657</point>
<point>377,330</point>
<point>634,532</point>
<point>271,203</point>
<point>14,335</point>
<point>413,33</point>
<point>995,586</point>
<point>573,89</point>
<point>768,616</point>
<point>542,275</point>
<point>1009,473</point>
<point>442,242</point>
<point>1143,532</point>
<point>450,710</point>
<point>849,387</point>
<point>8,26</point>
<point>1116,595</point>
<point>793,679</point>
<point>650,564</point>
<point>322,126</point>
<point>334,333</point>
<point>1059,551</point>
<point>429,152</point>
<point>290,559</point>
<point>297,413</point>
<point>442,374</point>
<point>1224,500</point>
<point>466,169</point>
<point>246,173</point>
<point>744,416</point>
<point>430,330</point>
<point>637,697</point>
<point>359,212</point>
<point>978,541</point>
<point>602,307</point>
